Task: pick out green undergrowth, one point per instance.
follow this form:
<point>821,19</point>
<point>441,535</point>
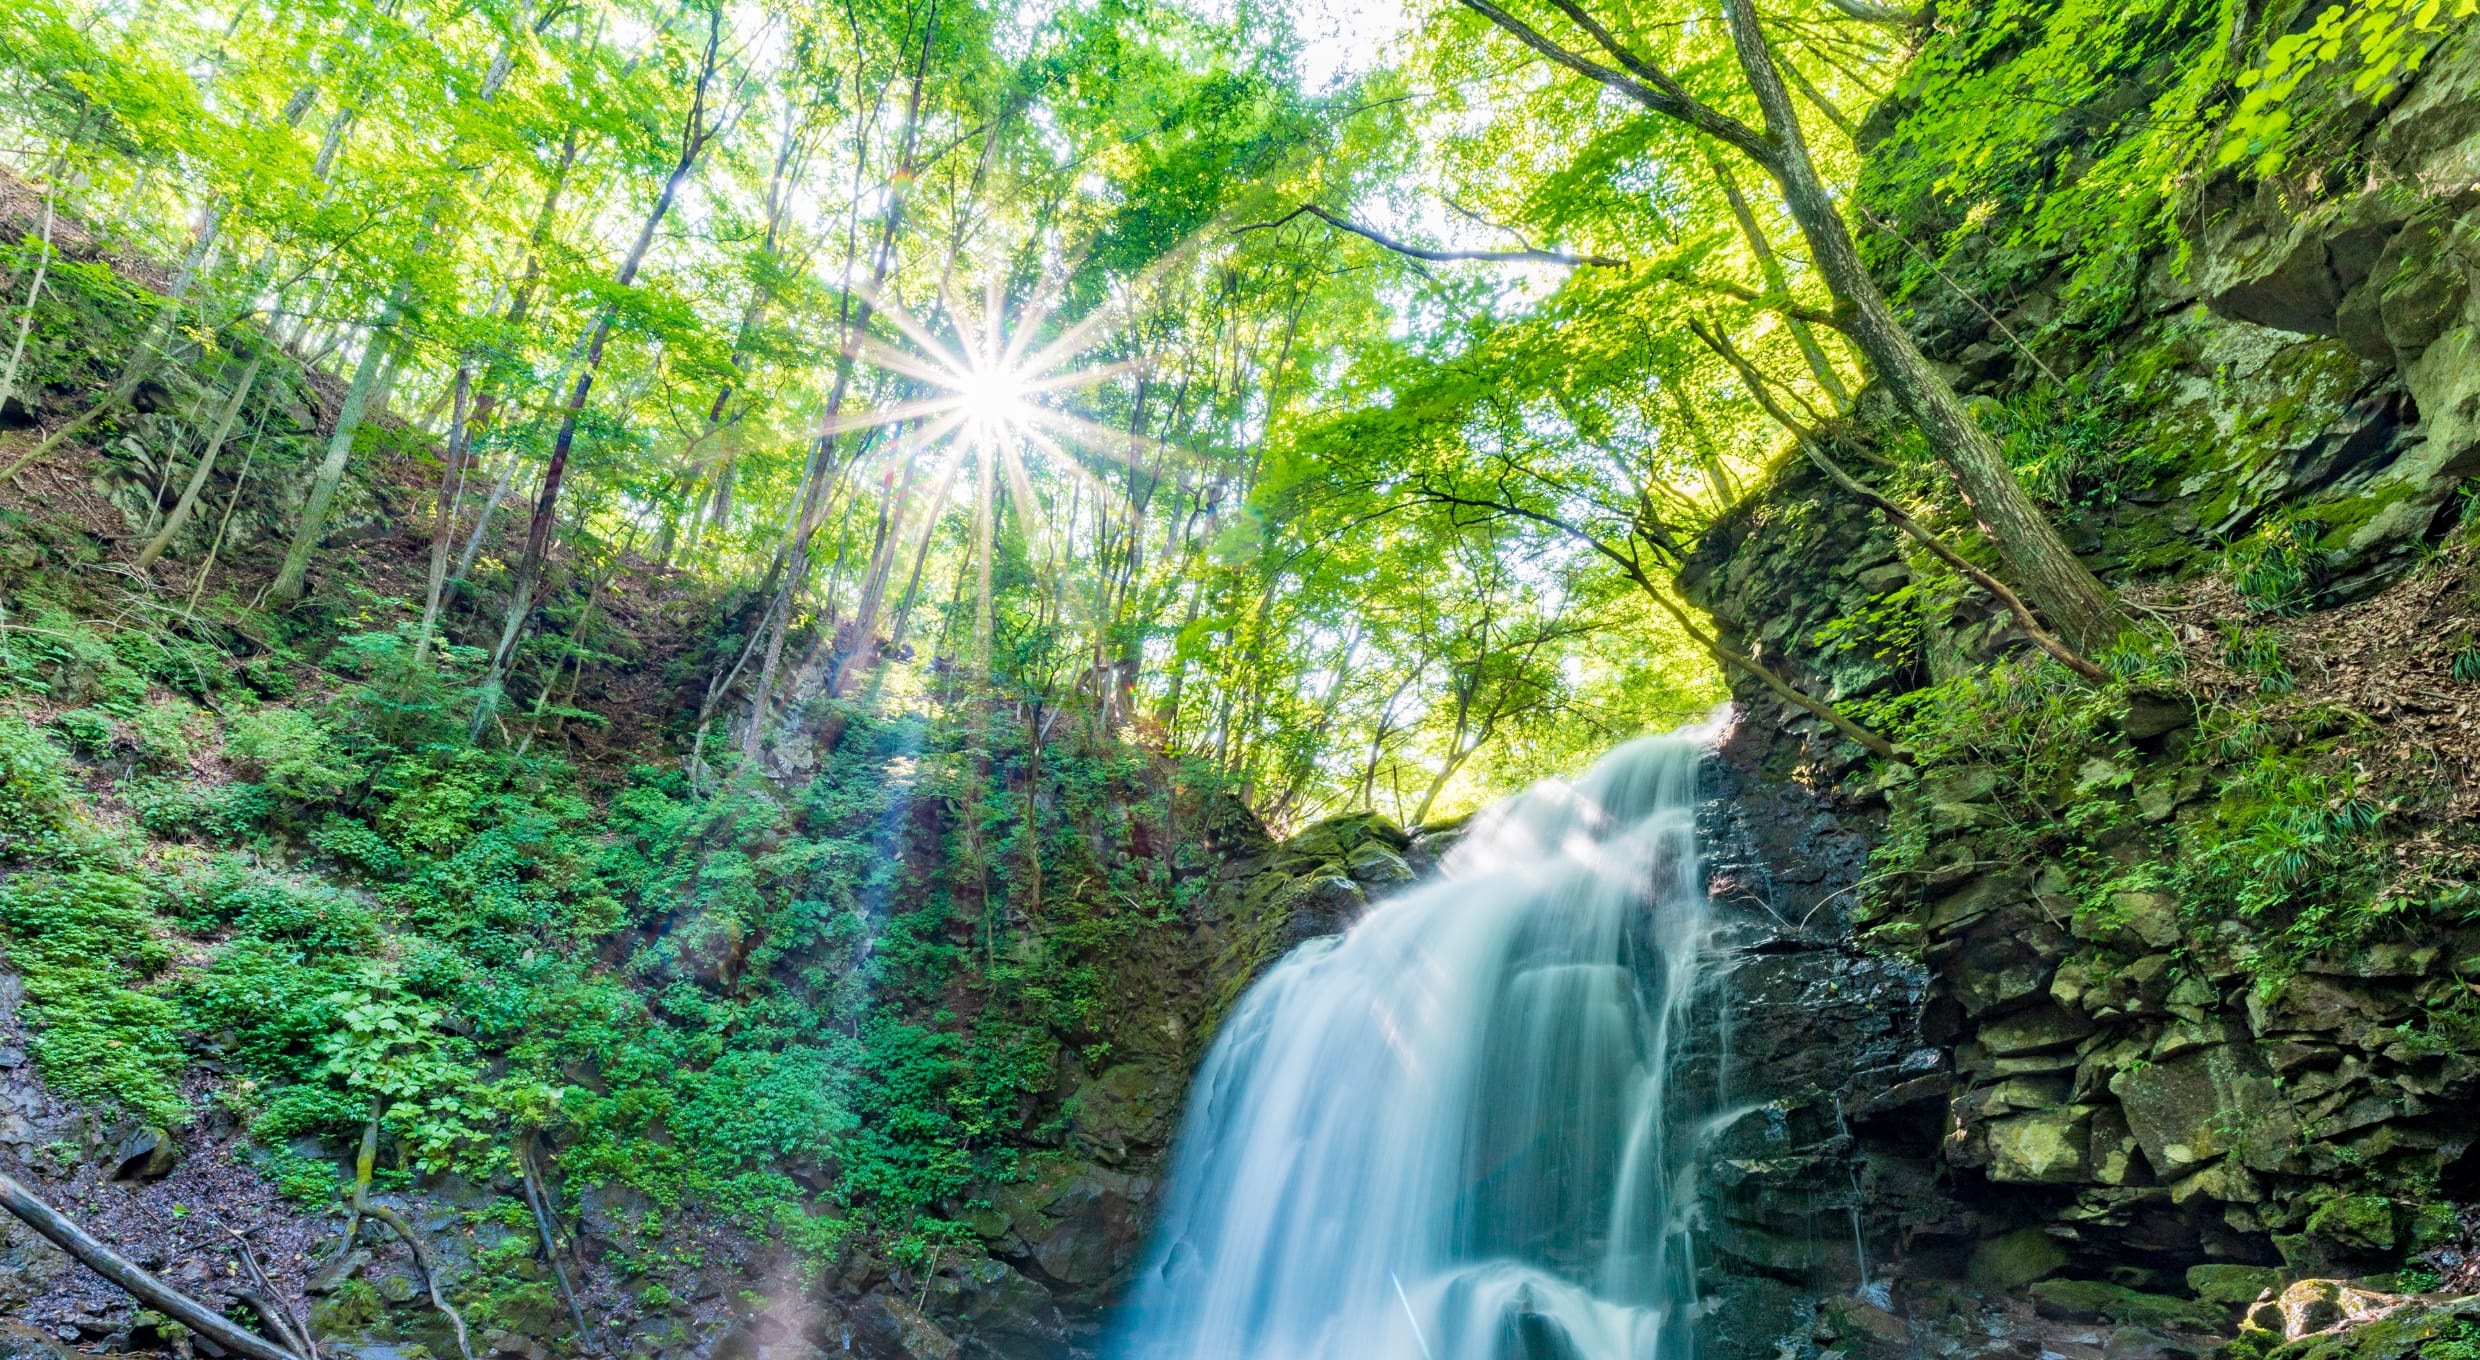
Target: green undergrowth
<point>2258,812</point>
<point>833,1013</point>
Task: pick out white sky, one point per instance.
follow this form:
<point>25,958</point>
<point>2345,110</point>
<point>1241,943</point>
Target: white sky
<point>1345,38</point>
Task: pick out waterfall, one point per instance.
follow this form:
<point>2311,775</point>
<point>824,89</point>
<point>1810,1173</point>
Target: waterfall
<point>1450,1133</point>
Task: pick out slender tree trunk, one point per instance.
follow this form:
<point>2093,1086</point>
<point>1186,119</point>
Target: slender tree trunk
<point>823,470</point>
<point>330,475</point>
<point>696,134</point>
<point>443,527</point>
<point>985,512</point>
<point>34,294</point>
<point>921,554</point>
<point>188,503</point>
<point>215,544</point>
<point>1777,282</point>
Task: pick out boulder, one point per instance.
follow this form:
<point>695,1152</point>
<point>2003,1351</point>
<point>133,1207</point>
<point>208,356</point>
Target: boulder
<point>143,1154</point>
<point>2312,1306</point>
<point>895,1327</point>
<point>2051,1147</point>
<point>2194,1108</point>
<point>2017,1259</point>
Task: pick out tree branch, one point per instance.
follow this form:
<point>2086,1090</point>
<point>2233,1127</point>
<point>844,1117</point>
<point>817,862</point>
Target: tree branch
<point>1650,87</point>
<point>1526,256</point>
<point>1867,12</point>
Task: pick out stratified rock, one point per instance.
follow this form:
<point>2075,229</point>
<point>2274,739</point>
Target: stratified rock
<point>2046,1146</point>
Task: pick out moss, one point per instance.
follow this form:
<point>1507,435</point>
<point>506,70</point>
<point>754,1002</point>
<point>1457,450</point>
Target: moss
<point>2341,520</point>
<point>2364,1222</point>
<point>2099,1300</point>
<point>355,1307</point>
<point>2232,1286</point>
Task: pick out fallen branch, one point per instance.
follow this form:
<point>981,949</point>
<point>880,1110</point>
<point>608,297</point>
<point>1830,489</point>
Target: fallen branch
<point>264,1296</point>
<point>145,1288</point>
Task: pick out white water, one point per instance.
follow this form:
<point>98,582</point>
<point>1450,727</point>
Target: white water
<point>1448,1133</point>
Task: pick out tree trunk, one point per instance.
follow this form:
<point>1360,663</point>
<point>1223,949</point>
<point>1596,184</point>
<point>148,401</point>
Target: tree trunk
<point>443,527</point>
<point>288,583</point>
<point>188,503</point>
<point>34,294</point>
<point>695,134</point>
<point>2076,604</point>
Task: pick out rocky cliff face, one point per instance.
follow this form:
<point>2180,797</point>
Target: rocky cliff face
<point>2166,1031</point>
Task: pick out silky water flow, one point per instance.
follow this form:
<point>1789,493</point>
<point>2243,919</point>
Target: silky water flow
<point>1452,1132</point>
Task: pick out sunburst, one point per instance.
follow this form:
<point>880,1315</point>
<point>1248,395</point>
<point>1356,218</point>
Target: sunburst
<point>992,402</point>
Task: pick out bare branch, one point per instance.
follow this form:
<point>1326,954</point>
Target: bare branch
<point>1649,87</point>
<point>1527,256</point>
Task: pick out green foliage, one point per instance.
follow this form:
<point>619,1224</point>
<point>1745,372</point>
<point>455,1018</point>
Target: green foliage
<point>2257,651</point>
<point>2044,134</point>
<point>2386,39</point>
<point>293,753</point>
<point>85,942</point>
<point>42,819</point>
<point>2280,568</point>
<point>2071,450</point>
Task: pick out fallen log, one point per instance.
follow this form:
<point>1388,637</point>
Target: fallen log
<point>145,1288</point>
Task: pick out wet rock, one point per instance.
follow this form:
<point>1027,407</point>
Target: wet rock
<point>1077,1222</point>
<point>27,1264</point>
<point>1129,1105</point>
<point>999,1311</point>
<point>892,1326</point>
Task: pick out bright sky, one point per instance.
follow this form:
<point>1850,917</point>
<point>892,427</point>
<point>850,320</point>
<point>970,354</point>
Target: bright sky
<point>1344,38</point>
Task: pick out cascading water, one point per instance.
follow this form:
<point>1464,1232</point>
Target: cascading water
<point>1450,1133</point>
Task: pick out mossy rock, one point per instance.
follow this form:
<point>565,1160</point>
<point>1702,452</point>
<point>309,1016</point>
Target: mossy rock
<point>2233,1286</point>
<point>2448,1331</point>
<point>353,1309</point>
<point>2101,1301</point>
<point>2363,1221</point>
<point>2017,1259</point>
